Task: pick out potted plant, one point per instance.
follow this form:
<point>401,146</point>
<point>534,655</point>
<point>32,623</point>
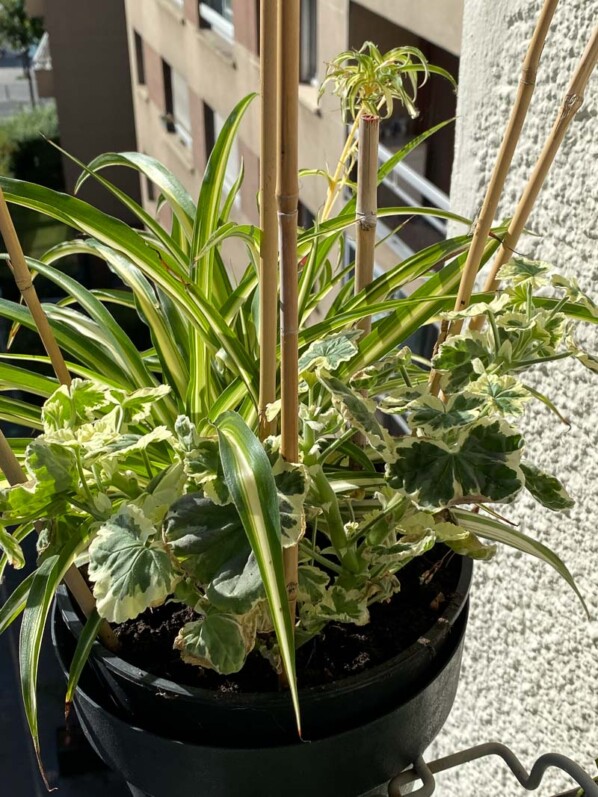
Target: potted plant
<point>275,565</point>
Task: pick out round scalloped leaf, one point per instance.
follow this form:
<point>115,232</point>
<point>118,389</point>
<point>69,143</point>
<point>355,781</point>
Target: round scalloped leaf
<point>129,570</point>
<point>330,352</point>
<point>217,642</point>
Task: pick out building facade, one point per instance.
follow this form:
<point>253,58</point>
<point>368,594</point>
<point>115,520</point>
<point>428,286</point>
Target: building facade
<point>193,61</point>
<point>83,62</point>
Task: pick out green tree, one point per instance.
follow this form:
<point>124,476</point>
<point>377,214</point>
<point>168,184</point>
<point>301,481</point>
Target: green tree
<point>19,31</point>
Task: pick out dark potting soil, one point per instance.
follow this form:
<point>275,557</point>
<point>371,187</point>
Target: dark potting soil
<point>427,583</point>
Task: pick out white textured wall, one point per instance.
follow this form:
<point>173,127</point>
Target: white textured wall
<point>530,676</point>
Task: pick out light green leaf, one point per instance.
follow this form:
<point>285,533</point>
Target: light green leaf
<point>130,571</point>
<point>360,413</point>
<point>12,549</point>
<point>575,294</point>
<point>253,489</point>
<point>546,489</point>
<point>330,352</point>
<point>292,484</point>
<point>483,465</point>
<point>521,270</point>
<point>502,394</point>
<point>312,584</point>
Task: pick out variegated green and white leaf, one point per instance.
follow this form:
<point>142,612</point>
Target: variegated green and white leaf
<point>456,356</point>
<point>502,394</point>
<point>546,489</point>
<point>436,417</point>
<point>521,270</point>
<point>496,531</point>
<point>330,352</point>
<point>251,483</point>
<point>483,465</point>
<point>219,642</point>
<point>211,545</point>
<point>129,569</point>
<point>359,412</point>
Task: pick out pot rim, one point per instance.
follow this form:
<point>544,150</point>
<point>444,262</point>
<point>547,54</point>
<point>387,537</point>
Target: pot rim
<point>98,703</point>
<point>428,642</point>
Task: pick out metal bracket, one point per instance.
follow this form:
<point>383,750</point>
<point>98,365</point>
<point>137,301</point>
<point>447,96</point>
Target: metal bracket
<point>420,771</point>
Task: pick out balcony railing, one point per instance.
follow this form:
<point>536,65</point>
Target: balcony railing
<point>411,188</point>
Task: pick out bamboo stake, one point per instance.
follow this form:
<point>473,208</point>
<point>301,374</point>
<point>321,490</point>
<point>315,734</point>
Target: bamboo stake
<point>367,207</point>
<point>572,102</point>
<point>268,216</point>
<point>8,461</point>
<point>509,143</point>
<point>288,196</point>
<point>25,285</point>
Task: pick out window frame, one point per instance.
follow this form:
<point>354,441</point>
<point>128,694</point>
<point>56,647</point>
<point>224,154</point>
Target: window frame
<point>217,21</point>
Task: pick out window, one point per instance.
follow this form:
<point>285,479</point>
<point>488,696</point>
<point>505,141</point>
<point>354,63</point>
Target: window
<point>139,60</point>
<point>180,104</point>
<point>214,123</point>
<point>176,101</point>
<point>309,41</point>
<point>218,15</point>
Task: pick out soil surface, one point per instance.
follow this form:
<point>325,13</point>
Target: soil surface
<point>341,650</point>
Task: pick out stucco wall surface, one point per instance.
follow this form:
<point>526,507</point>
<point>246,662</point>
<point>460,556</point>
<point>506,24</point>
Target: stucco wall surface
<point>530,675</point>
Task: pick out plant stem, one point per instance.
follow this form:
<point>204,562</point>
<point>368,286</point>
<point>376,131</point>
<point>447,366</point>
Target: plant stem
<point>336,528</point>
<point>336,181</point>
<point>268,283</point>
<point>572,102</point>
<point>288,196</point>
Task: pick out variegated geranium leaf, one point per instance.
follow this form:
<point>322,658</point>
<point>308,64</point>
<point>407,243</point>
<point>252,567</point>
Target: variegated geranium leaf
<point>211,545</point>
<point>497,305</point>
<point>464,542</point>
<point>130,570</point>
<point>360,413</point>
<point>81,402</point>
<point>292,484</point>
<point>400,399</point>
<point>139,404</point>
<point>455,359</point>
<point>395,557</point>
<point>437,418</point>
<point>312,584</point>
<point>344,605</point>
<point>483,465</point>
<point>51,463</point>
<point>573,292</point>
<point>162,492</point>
<point>590,361</point>
<point>330,352</point>
<point>502,394</point>
<point>219,641</point>
<point>521,270</point>
<point>546,489</point>
<point>201,460</point>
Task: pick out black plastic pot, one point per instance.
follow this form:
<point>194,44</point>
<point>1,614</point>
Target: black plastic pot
<point>169,740</point>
